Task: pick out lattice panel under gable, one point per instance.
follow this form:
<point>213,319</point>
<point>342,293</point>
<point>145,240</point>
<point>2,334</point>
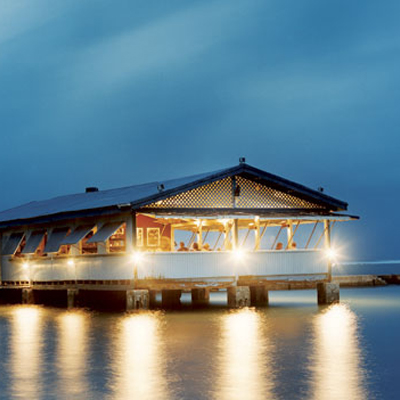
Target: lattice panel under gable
<point>219,194</point>
<point>255,195</point>
<point>213,195</point>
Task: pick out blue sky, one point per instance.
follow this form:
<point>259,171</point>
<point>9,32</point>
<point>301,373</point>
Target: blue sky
<point>112,93</point>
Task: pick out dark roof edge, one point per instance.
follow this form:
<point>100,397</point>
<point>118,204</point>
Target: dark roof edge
<point>46,219</point>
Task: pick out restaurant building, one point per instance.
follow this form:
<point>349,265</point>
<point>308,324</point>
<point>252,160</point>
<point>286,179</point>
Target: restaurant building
<point>238,228</point>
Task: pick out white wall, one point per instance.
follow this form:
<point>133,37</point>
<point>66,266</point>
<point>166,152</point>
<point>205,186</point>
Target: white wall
<point>168,266</point>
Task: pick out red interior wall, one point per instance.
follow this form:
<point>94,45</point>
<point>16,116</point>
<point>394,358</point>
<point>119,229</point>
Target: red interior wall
<point>143,221</point>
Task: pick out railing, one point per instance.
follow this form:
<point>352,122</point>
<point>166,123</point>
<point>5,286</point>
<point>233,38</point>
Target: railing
<point>176,265</point>
<point>229,264</point>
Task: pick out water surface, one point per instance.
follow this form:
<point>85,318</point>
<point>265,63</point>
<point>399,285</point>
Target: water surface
<point>291,350</point>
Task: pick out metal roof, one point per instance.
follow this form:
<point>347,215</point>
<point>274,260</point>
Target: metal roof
<point>134,197</point>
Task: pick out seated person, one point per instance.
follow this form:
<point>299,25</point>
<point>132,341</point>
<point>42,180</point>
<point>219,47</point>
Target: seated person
<point>293,246</point>
<point>182,247</point>
<point>279,246</point>
<point>206,247</point>
<point>195,247</point>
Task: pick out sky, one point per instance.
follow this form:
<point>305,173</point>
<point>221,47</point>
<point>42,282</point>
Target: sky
<point>118,92</point>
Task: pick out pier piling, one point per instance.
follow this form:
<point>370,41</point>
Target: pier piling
<point>137,300</point>
<point>328,293</point>
<point>239,296</point>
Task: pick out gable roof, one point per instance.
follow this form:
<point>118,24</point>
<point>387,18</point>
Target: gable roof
<point>135,197</point>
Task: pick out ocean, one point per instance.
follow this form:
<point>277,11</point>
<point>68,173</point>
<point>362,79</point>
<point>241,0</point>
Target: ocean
<point>293,349</point>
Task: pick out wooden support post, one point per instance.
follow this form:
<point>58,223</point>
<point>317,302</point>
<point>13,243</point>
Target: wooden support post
<point>137,300</point>
<point>200,234</point>
<point>239,296</point>
<point>72,298</point>
<point>172,238</point>
<point>171,298</point>
<point>28,296</point>
<point>289,231</point>
<point>327,233</point>
<point>257,238</point>
<point>259,295</point>
<point>235,235</point>
<point>200,297</point>
<point>328,293</point>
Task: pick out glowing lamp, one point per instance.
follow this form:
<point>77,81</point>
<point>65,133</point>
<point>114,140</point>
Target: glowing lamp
<point>238,254</point>
<point>71,263</point>
<point>137,257</point>
<point>331,254</point>
<point>25,265</point>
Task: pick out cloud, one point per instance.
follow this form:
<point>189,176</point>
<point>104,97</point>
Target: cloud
<point>173,42</point>
<point>18,17</point>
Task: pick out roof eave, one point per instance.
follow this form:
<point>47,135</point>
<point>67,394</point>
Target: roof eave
<point>64,216</point>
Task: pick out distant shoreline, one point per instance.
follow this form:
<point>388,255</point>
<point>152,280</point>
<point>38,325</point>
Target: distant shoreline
<point>391,262</point>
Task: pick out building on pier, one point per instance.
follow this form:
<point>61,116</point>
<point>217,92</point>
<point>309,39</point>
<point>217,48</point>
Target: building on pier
<point>236,218</point>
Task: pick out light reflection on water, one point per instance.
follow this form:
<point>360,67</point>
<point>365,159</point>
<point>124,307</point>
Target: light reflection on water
<point>336,362</point>
<point>245,358</point>
<point>137,370</point>
<point>26,356</point>
<point>285,351</point>
<point>72,353</point>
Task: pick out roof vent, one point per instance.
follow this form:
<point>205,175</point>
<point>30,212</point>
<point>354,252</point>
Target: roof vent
<point>242,160</point>
<point>91,189</point>
<point>160,187</point>
<point>321,189</point>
